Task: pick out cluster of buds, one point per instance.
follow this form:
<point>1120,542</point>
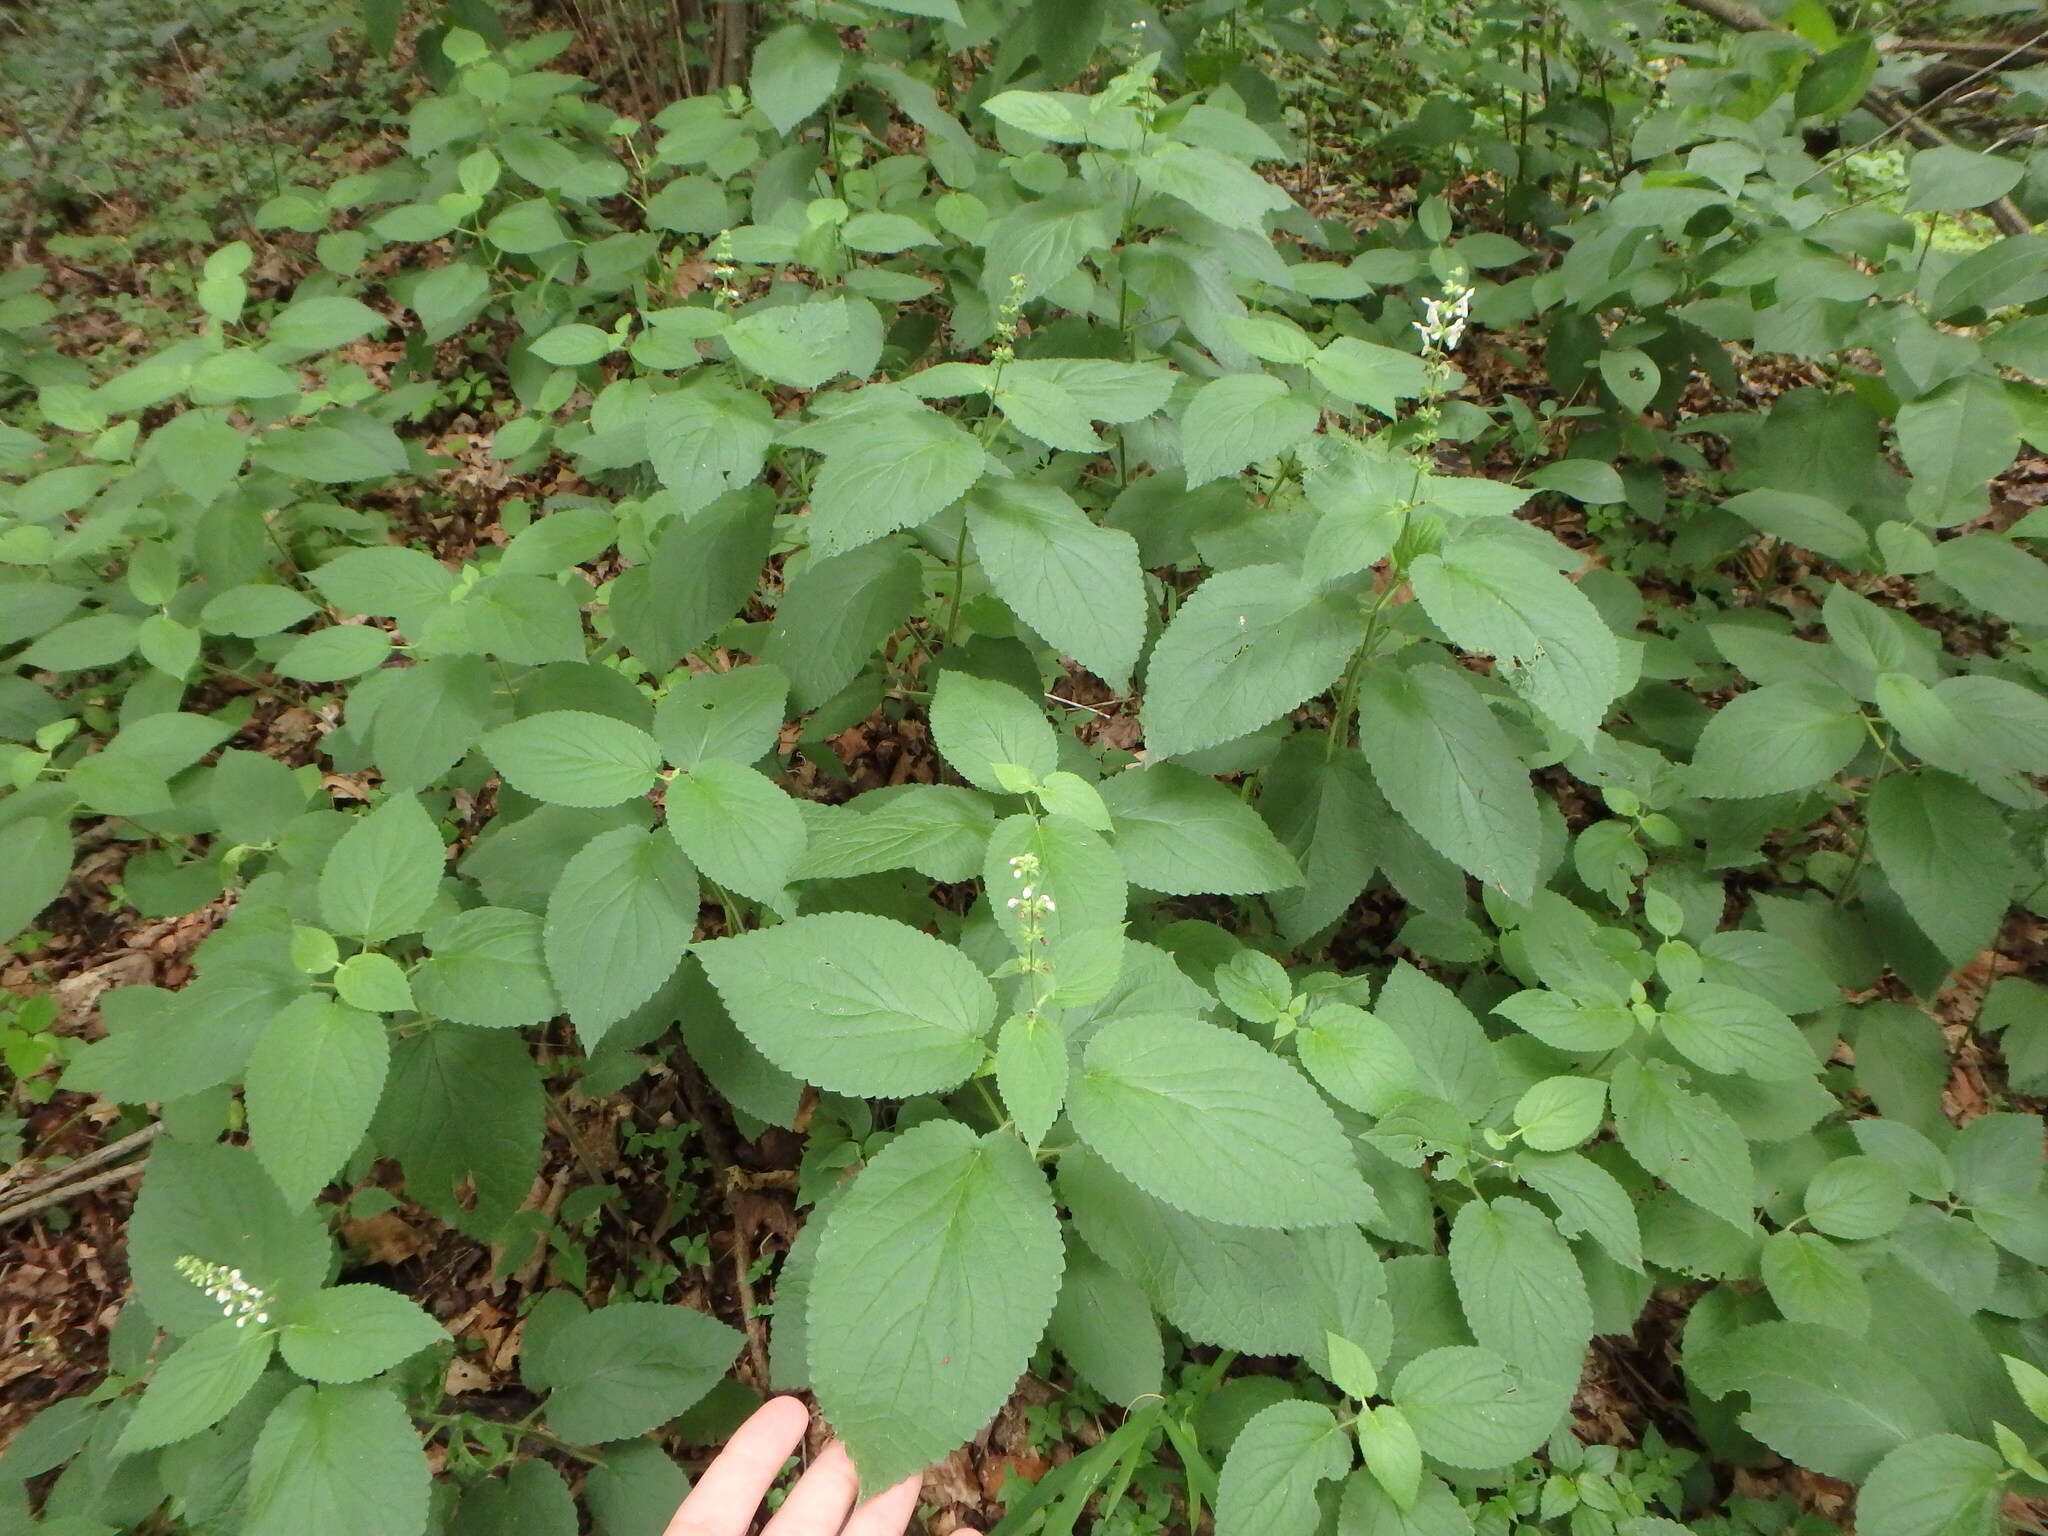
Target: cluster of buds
<point>1442,325</point>
<point>239,1300</point>
<point>1032,907</point>
<point>1006,322</point>
<point>724,289</point>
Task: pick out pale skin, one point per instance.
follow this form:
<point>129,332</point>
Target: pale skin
<point>727,1498</point>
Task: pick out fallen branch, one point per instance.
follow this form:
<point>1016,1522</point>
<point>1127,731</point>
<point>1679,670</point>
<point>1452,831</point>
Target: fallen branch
<point>48,1198</point>
<point>112,1152</point>
<point>1882,104</point>
<point>1968,48</point>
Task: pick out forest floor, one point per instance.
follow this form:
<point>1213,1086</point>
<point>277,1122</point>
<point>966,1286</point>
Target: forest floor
<point>703,1213</point>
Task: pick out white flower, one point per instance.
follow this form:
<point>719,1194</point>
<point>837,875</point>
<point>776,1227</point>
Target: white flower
<point>237,1298</point>
<point>1443,321</point>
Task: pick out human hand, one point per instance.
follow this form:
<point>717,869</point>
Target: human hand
<point>728,1496</point>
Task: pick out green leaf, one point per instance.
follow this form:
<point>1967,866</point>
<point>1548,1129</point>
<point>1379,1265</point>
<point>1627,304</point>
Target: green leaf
<point>38,851</point>
<point>1031,1074</point>
<point>1392,1455</point>
<point>1631,376</point>
<point>1269,1480</point>
<point>464,1107</point>
<point>1995,574</point>
<point>1733,1032</point>
<point>1356,1058</point>
<point>1954,440</point>
<point>936,829</point>
<point>383,873</point>
<point>1940,1485</point>
<point>571,346</point>
<point>448,298</point>
<point>801,345</point>
<point>373,982</point>
<point>1366,373</point>
<point>353,1332</point>
<point>1560,1113</point>
<point>1243,649</point>
<point>1807,521</point>
<point>1325,810</point>
<point>890,462</point>
<point>1104,1327</point>
<point>1468,1410</point>
<point>1447,767</point>
<point>637,1364</point>
<point>255,610</point>
<point>1836,81</point>
<point>1775,739</point>
<point>311,1086</point>
<point>636,1490</point>
<point>736,715</point>
<point>1550,643</point>
<point>1945,850</point>
<point>387,582</point>
<point>1685,1139</point>
<point>979,724</point>
<point>618,922</point>
<point>1211,183</point>
<point>1432,1510</point>
<point>796,70</point>
<point>1587,480</point>
<point>321,324</point>
<point>737,826</point>
<point>1078,585</point>
<point>704,569</point>
<point>486,967</point>
<point>1948,178</point>
<point>708,438</point>
<point>1817,1396</point>
<point>1856,1197</point>
<point>1240,419</point>
<point>854,1003</point>
<point>526,229</point>
<point>1215,1125</point>
<point>1590,1201</point>
<point>835,613</point>
<point>337,1461</point>
<point>575,757</point>
<point>1043,241</point>
<point>335,653</point>
<point>938,1271</point>
<point>1522,1292</point>
<point>1235,1287</point>
<point>196,1386</point>
<point>1181,833</point>
<point>1812,1281</point>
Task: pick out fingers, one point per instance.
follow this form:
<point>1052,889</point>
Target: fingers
<point>888,1512</point>
<point>817,1505</point>
<point>726,1498</point>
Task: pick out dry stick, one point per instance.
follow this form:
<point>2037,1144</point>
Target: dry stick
<point>112,1152</point>
<point>1972,48</point>
<point>1881,104</point>
<point>52,1197</point>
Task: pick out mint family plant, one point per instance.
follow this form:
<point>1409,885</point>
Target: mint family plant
<point>1470,932</point>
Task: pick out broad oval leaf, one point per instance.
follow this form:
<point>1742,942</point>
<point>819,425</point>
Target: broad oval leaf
<point>574,757</point>
<point>1220,1127</point>
<point>936,1276</point>
<point>854,1003</point>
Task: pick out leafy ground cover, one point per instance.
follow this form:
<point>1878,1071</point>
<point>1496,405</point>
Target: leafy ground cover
<point>1230,801</point>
